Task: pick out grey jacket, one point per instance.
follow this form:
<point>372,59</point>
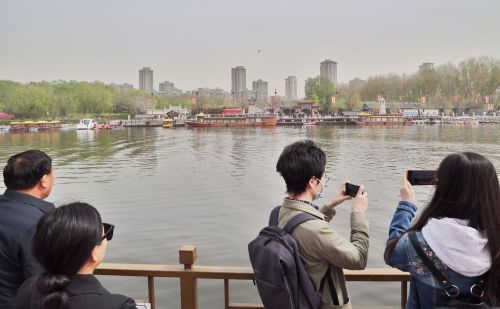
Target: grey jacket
<point>320,246</point>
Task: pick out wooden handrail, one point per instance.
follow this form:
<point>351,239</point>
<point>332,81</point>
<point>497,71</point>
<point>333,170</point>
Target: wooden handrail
<point>188,273</point>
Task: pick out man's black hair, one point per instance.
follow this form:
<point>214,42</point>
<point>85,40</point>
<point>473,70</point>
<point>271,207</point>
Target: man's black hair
<point>24,170</point>
<point>298,163</point>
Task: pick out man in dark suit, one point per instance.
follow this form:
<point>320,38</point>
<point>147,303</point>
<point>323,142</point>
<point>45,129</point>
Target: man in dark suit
<point>29,178</point>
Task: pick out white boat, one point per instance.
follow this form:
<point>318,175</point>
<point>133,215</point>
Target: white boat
<point>86,124</point>
<point>311,123</point>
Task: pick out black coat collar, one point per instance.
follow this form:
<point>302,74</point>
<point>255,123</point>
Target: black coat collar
<point>85,284</point>
<point>24,198</point>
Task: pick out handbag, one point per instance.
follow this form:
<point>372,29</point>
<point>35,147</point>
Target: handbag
<point>476,301</point>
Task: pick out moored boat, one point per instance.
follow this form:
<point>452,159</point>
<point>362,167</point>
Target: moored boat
<point>310,123</point>
<point>48,125</point>
<point>34,125</point>
<point>381,120</point>
<point>233,120</point>
<point>86,124</point>
<point>168,123</point>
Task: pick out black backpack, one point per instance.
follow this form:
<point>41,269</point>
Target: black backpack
<point>279,273</point>
<point>451,290</point>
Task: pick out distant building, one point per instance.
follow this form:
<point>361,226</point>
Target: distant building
<point>146,79</point>
<point>122,87</point>
<point>239,83</point>
<point>209,92</point>
<point>291,88</point>
<point>357,83</point>
<point>167,89</point>
<point>426,67</point>
<point>260,86</point>
<point>328,69</point>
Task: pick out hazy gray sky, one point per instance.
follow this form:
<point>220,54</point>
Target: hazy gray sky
<point>194,43</point>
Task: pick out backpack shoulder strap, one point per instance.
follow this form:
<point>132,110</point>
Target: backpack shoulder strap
<point>273,217</point>
<point>427,261</point>
<point>297,220</point>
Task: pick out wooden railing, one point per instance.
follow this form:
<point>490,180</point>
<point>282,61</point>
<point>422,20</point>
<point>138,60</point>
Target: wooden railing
<point>188,273</point>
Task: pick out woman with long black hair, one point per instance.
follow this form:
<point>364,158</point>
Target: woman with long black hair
<point>70,242</point>
<point>452,250</point>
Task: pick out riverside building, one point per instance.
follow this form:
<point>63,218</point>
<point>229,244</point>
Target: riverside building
<point>146,79</point>
<point>291,88</point>
<point>328,69</point>
<point>239,83</point>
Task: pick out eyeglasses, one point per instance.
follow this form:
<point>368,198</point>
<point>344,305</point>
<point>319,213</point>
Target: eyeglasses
<point>108,231</point>
<point>327,179</point>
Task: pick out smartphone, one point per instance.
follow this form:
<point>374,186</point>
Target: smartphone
<point>422,177</point>
<point>351,190</point>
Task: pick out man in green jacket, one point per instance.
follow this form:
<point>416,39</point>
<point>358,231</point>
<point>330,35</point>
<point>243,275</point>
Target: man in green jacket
<point>302,166</point>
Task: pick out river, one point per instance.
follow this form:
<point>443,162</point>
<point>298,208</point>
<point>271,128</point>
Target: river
<point>214,188</point>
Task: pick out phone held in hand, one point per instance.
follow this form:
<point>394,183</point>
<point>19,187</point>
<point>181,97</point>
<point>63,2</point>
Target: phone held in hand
<point>421,177</point>
<point>351,189</point>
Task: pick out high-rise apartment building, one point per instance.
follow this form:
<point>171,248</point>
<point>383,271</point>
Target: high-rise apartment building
<point>239,83</point>
<point>260,86</point>
<point>146,79</point>
<point>167,88</point>
<point>328,69</point>
<point>122,87</point>
<point>426,67</point>
<point>291,88</point>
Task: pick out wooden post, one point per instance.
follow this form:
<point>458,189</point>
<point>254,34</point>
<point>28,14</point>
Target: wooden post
<point>151,292</point>
<point>404,293</point>
<point>189,286</point>
<point>226,293</point>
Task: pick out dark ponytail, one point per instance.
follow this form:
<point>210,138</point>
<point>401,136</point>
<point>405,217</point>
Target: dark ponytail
<point>52,287</point>
<point>63,242</point>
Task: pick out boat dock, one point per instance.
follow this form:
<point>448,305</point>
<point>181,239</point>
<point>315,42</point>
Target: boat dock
<point>149,123</point>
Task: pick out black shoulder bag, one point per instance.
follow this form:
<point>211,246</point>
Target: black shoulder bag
<point>452,291</point>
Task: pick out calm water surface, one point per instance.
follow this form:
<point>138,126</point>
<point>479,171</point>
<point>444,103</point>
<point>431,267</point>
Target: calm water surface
<point>214,189</point>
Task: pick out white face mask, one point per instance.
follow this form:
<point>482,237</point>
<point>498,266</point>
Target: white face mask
<point>319,194</point>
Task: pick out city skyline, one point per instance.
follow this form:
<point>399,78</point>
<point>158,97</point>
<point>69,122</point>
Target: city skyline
<point>95,40</point>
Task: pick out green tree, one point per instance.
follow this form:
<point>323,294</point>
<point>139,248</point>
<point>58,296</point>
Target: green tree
<point>320,89</point>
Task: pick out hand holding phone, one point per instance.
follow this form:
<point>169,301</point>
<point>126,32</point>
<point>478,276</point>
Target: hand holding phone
<point>421,177</point>
<point>406,191</point>
<point>351,190</point>
<point>359,195</point>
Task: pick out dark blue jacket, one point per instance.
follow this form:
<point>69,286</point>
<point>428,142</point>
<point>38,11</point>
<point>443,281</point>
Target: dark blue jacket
<point>19,214</point>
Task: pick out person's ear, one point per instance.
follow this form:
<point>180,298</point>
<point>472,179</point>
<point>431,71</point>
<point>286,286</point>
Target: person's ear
<point>94,256</point>
<point>44,181</point>
<point>312,182</point>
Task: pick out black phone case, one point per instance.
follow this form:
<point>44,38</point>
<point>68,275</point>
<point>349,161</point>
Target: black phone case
<point>351,189</point>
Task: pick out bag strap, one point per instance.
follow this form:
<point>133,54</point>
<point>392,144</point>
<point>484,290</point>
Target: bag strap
<point>273,217</point>
<point>428,263</point>
<point>450,289</point>
<point>333,291</point>
<point>297,220</point>
<point>289,227</point>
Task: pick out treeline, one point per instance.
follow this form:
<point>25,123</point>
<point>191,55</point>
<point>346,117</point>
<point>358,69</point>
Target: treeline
<point>70,99</point>
<point>62,99</point>
<point>470,83</point>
